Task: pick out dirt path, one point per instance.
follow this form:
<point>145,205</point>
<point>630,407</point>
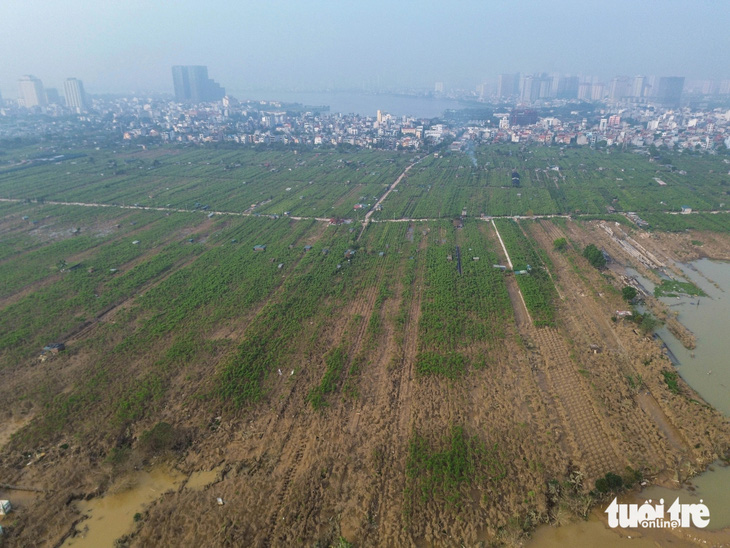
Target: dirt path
<point>369,214</point>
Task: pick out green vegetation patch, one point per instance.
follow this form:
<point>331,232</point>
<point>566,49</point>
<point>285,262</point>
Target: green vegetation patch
<point>629,293</point>
<point>447,365</point>
<point>671,288</point>
<point>440,472</point>
<point>336,360</point>
<point>672,380</point>
<point>459,309</point>
<point>561,244</point>
<point>594,256</point>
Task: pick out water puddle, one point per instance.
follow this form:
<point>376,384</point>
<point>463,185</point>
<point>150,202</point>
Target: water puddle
<point>112,515</point>
<point>199,480</point>
<point>646,283</point>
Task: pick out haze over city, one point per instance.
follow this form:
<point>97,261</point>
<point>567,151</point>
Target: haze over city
<point>130,46</point>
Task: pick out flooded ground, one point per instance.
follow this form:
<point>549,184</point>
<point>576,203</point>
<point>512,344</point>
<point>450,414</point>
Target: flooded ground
<point>112,515</point>
<point>592,533</point>
<point>199,480</point>
<point>707,367</point>
<point>707,370</point>
<point>19,500</point>
<point>711,487</point>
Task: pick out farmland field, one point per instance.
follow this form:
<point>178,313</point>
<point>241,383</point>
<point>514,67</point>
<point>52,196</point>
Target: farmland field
<point>308,184</point>
<point>373,383</point>
<point>557,182</point>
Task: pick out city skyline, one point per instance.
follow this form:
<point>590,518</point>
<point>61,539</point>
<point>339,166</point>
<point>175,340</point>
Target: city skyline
<point>191,84</point>
<point>333,46</point>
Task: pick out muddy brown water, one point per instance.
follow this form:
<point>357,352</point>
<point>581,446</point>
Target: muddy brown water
<point>200,480</point>
<point>112,516</point>
<point>707,370</point>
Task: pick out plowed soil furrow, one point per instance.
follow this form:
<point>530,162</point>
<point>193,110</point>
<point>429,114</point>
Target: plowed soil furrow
<point>283,493</point>
<point>388,498</point>
<point>363,309</point>
<point>595,454</point>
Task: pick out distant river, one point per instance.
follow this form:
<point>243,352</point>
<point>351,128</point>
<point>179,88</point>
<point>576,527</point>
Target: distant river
<point>359,103</point>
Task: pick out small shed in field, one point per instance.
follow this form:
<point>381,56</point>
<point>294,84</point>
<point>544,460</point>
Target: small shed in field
<point>259,247</point>
<point>5,507</point>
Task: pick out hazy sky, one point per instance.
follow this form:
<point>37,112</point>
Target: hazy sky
<point>129,45</point>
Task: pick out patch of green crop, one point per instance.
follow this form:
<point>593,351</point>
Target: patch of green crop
<point>669,288</point>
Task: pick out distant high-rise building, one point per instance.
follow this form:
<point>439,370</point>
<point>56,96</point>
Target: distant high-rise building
<point>708,87</point>
<point>508,85</point>
<point>75,96</point>
<point>584,91</point>
<point>481,90</point>
<point>669,91</point>
<point>192,85</point>
<point>651,86</point>
<point>637,86</point>
<point>567,87</point>
<point>537,86</point>
<point>598,91</point>
<point>30,92</point>
<point>545,91</point>
<point>531,87</point>
<point>439,87</point>
<point>526,89</point>
<point>620,88</point>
